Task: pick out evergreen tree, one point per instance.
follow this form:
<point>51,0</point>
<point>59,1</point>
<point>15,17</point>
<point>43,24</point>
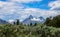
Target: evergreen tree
<point>30,24</point>
<point>47,21</point>
<point>35,24</point>
<point>14,23</point>
<point>53,22</point>
<point>17,22</point>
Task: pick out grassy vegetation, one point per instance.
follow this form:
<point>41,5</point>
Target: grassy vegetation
<point>28,31</point>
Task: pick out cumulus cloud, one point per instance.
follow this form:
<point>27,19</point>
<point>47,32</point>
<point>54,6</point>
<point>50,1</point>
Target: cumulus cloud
<point>10,21</point>
<point>10,8</point>
<point>38,12</point>
<point>24,1</point>
<point>55,5</point>
<point>13,10</point>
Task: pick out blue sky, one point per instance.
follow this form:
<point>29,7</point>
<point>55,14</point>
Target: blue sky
<point>40,4</point>
<point>21,9</point>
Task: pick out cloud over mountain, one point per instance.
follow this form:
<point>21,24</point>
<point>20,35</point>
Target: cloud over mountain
<point>13,9</point>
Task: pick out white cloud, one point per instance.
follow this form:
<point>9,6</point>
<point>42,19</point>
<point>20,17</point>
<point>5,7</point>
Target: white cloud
<point>2,3</point>
<point>24,1</point>
<point>9,7</point>
<point>10,21</point>
<point>14,9</point>
<point>38,13</point>
<point>55,5</point>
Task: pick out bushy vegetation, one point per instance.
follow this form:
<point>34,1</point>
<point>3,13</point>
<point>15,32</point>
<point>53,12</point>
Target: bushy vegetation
<point>55,21</point>
<point>17,29</point>
<point>38,30</point>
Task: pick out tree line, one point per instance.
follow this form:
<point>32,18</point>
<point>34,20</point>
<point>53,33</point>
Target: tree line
<point>53,21</point>
<point>50,21</point>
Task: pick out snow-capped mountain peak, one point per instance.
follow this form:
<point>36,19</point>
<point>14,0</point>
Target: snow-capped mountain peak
<point>32,19</point>
<point>35,19</point>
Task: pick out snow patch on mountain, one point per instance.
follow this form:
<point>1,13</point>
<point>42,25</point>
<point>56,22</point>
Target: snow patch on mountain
<point>35,19</point>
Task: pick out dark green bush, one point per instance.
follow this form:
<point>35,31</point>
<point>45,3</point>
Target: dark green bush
<point>28,31</point>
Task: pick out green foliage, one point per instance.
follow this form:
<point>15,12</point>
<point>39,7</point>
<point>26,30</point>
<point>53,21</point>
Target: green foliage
<point>55,22</point>
<point>39,30</point>
<point>47,21</point>
<point>31,24</point>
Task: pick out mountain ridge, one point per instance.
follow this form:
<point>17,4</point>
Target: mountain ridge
<point>3,21</point>
<point>32,19</point>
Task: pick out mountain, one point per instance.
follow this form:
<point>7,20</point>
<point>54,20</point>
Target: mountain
<point>3,21</point>
<point>28,20</point>
<point>33,20</point>
<point>42,20</point>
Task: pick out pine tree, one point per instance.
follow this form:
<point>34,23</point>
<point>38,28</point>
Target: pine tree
<point>47,21</point>
<point>17,22</point>
<point>35,24</point>
<point>14,23</point>
<point>30,24</point>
